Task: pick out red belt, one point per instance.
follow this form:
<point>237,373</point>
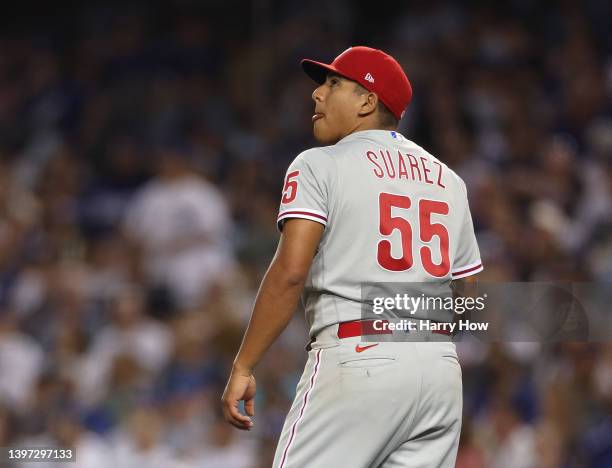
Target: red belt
<point>366,327</point>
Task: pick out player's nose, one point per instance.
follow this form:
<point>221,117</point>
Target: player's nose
<point>317,94</point>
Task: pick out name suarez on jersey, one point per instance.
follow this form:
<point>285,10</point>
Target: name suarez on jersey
<point>398,165</point>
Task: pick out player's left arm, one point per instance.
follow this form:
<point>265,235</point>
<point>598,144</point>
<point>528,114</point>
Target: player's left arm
<point>461,283</point>
<point>274,307</point>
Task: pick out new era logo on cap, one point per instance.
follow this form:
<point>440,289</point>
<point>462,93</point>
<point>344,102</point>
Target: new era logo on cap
<point>369,78</point>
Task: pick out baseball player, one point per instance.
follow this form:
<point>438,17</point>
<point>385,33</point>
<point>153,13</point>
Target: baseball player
<point>370,207</point>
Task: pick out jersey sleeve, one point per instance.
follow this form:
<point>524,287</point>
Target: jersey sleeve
<point>467,260</point>
<point>306,188</point>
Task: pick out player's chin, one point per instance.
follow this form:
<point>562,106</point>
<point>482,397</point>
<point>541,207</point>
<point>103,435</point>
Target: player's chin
<point>323,135</point>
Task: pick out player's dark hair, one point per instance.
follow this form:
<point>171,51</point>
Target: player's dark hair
<point>385,116</point>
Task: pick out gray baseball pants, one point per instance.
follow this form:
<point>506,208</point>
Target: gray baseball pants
<point>392,405</point>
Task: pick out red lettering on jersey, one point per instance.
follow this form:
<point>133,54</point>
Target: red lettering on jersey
<point>371,155</point>
<point>440,184</point>
<point>414,165</point>
<point>425,170</point>
<point>401,166</point>
<point>391,175</point>
<point>291,187</point>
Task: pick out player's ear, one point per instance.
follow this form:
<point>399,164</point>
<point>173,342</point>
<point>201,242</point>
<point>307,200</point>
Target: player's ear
<point>368,104</point>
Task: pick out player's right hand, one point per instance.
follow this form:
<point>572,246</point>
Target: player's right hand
<point>240,386</point>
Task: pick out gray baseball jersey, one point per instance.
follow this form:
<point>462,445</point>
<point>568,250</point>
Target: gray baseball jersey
<point>392,213</point>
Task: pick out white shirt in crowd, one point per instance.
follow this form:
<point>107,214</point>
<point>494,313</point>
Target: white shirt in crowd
<point>21,361</point>
<point>184,227</point>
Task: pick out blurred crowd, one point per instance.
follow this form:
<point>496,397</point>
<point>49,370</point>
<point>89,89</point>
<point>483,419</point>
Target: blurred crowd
<point>142,151</point>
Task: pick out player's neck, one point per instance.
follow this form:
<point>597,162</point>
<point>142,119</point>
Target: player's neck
<point>369,124</point>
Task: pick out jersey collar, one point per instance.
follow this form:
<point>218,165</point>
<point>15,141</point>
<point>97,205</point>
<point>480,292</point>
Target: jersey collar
<point>376,133</point>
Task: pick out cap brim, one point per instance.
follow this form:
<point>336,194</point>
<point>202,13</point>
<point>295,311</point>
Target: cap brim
<point>317,71</point>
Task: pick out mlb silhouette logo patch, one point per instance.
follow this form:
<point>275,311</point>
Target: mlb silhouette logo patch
<point>369,78</point>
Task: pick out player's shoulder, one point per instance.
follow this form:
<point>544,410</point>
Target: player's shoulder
<point>315,154</point>
<point>317,159</point>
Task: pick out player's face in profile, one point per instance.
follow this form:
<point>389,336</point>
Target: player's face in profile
<point>336,109</point>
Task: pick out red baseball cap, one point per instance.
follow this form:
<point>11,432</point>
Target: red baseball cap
<point>373,69</point>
